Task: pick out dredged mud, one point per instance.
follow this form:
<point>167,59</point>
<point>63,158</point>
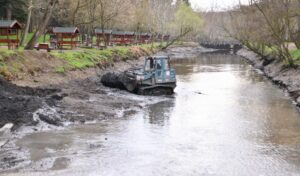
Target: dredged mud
<point>17,104</point>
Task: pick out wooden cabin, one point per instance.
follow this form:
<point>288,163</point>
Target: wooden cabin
<point>103,36</point>
<point>65,36</point>
<point>161,37</point>
<point>129,38</point>
<point>122,38</point>
<point>117,37</point>
<point>145,38</point>
<point>166,38</point>
<point>9,33</point>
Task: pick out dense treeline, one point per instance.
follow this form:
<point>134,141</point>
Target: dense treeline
<point>155,16</point>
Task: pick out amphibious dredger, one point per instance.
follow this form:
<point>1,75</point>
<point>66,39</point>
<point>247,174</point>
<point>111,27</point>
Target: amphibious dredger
<point>155,77</point>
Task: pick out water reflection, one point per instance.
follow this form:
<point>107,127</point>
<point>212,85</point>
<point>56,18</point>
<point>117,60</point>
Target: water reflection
<point>159,113</point>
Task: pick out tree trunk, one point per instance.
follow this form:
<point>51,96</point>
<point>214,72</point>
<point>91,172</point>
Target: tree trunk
<point>75,12</point>
<point>43,24</point>
<point>9,12</point>
<point>27,23</point>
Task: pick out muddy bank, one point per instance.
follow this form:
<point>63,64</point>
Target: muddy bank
<point>74,102</point>
<point>186,51</point>
<point>275,70</point>
<point>27,102</point>
<point>17,104</point>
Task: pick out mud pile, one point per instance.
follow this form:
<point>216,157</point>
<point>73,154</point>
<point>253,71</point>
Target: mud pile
<point>119,80</point>
<point>113,80</point>
<point>17,104</point>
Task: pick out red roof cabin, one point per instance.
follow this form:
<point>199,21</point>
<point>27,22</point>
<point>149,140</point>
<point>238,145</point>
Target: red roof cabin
<point>65,36</point>
<point>9,33</point>
<point>103,36</point>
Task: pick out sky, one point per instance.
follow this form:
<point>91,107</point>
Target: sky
<point>215,4</point>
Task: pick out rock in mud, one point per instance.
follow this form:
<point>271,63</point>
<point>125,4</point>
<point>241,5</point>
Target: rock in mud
<point>50,120</point>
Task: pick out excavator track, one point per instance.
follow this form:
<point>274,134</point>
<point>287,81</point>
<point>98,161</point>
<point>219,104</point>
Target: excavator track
<point>155,91</point>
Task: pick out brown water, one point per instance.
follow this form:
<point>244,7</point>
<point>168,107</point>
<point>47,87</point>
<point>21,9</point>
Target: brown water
<point>225,119</point>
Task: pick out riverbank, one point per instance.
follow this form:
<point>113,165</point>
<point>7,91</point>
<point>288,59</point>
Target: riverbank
<point>39,68</point>
<point>287,78</point>
<point>32,90</point>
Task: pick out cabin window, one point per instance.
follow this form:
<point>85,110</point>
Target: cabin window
<point>149,64</point>
<point>159,64</point>
<point>167,64</point>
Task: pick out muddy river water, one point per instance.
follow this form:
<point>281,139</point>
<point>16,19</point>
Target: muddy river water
<point>225,119</point>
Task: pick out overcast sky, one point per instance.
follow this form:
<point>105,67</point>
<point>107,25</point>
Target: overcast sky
<point>215,4</point>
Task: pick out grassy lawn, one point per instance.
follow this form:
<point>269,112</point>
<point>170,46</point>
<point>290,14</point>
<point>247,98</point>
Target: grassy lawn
<point>40,40</point>
<point>83,58</point>
<point>80,59</point>
<point>296,54</point>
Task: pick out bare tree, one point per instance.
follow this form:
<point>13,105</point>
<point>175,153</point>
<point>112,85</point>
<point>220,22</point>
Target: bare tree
<point>43,24</point>
<point>27,23</point>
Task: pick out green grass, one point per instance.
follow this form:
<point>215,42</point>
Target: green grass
<point>270,51</point>
<point>296,54</point>
<point>40,40</point>
<point>6,68</point>
<point>60,70</point>
<point>77,60</point>
<point>5,53</point>
<point>84,58</point>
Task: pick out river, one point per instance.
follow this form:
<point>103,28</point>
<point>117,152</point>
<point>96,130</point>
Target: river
<point>224,119</point>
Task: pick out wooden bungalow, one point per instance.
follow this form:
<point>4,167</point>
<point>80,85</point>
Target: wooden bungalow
<point>166,38</point>
<point>65,36</point>
<point>138,38</point>
<point>162,37</point>
<point>129,38</point>
<point>103,36</point>
<point>145,38</point>
<point>122,38</point>
<point>159,38</point>
<point>117,37</point>
<point>9,33</point>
